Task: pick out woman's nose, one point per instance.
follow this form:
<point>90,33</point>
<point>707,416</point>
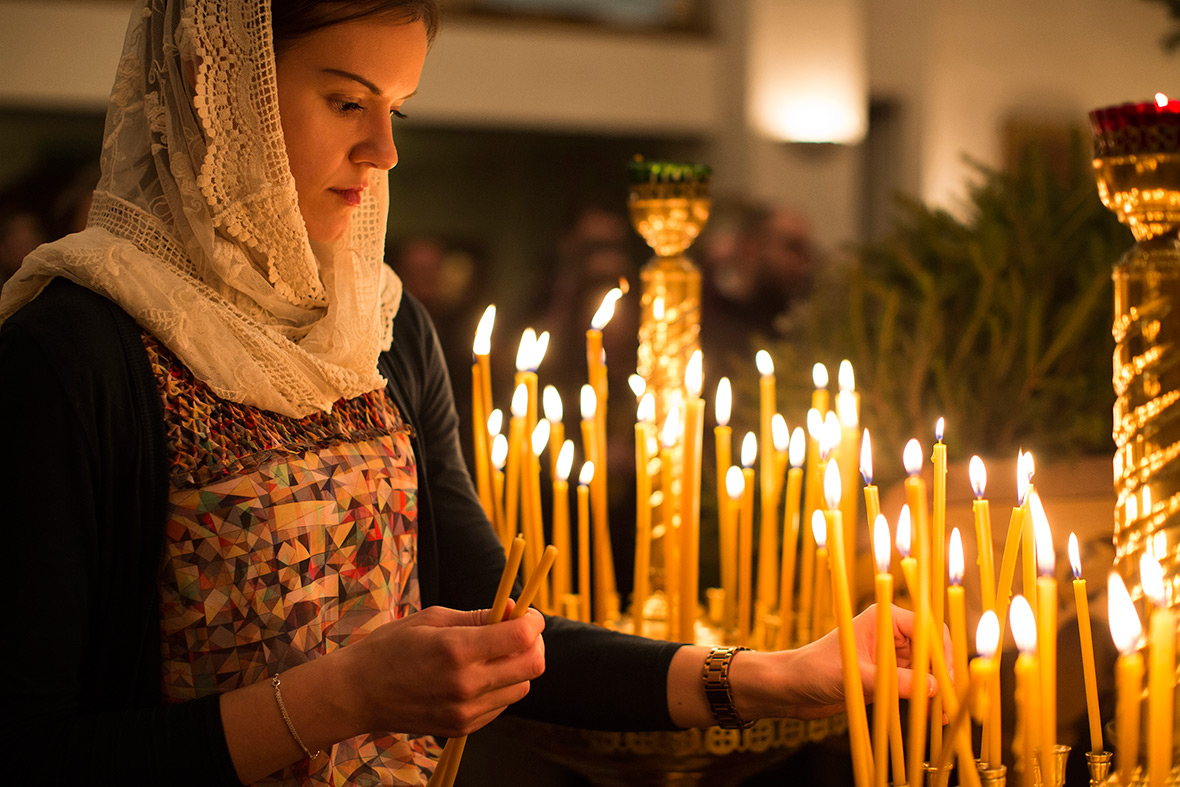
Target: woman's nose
<point>378,148</point>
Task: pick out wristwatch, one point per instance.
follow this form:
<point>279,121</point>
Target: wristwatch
<point>718,691</point>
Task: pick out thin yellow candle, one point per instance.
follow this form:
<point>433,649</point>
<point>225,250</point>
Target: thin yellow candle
<point>781,437</point>
<point>561,520</point>
<point>1046,633</point>
<point>1024,631</point>
<point>780,433</point>
<point>960,725</point>
<point>536,518</point>
<point>1127,633</point>
<point>690,498</point>
<point>671,539</point>
<point>480,368</point>
<point>885,687</point>
<point>735,489</point>
<point>516,450</point>
<point>499,458</point>
<point>824,619</point>
<point>987,642</point>
<point>937,571</point>
<point>854,699</point>
<point>641,584</point>
<point>554,412</point>
<point>596,367</point>
<point>848,414</point>
<point>534,582</point>
<point>919,663</point>
<point>823,583</point>
<point>1028,546</point>
<point>723,440</point>
<point>1086,639</point>
<point>768,531</point>
<point>584,478</point>
<point>1161,674</point>
<point>796,452</point>
<point>956,608</point>
<point>872,495</point>
<point>812,488</point>
<point>1012,543</point>
<point>482,349</point>
<point>746,540</point>
<point>604,581</point>
<point>981,511</point>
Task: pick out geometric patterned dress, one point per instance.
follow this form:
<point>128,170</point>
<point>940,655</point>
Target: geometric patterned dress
<point>286,539</point>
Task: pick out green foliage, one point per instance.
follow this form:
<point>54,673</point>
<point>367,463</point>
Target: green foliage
<point>1171,39</point>
<point>1000,322</point>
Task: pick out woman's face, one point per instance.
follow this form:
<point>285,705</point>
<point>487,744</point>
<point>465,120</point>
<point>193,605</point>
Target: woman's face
<point>341,90</point>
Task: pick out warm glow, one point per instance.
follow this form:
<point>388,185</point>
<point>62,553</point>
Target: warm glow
<point>829,436</point>
<point>496,422</point>
<point>565,460</point>
<point>1024,474</point>
<point>524,351</point>
<point>1042,536</point>
<point>954,559</point>
<point>819,375</point>
<point>1125,628</point>
<point>749,449</point>
<point>911,457</point>
<point>735,483</point>
<point>1161,100</point>
<point>539,349</point>
<point>1151,578</point>
<point>589,402</point>
<point>483,332</point>
<point>978,475</point>
<point>832,486</point>
<point>882,547</point>
<point>797,451</point>
<point>499,451</point>
<point>845,378</point>
<point>764,363</point>
<point>815,424</point>
<point>779,432</point>
<point>866,458</point>
<point>846,409</point>
<point>723,405</point>
<point>520,401</point>
<point>902,537</point>
<point>1075,556</point>
<point>551,402</point>
<point>540,437</point>
<point>671,428</point>
<point>694,374</point>
<point>587,473</point>
<point>819,529</point>
<point>637,384</point>
<point>657,308</point>
<point>1024,625</point>
<point>939,429</point>
<point>606,310</point>
<point>646,411</point>
<point>987,635</point>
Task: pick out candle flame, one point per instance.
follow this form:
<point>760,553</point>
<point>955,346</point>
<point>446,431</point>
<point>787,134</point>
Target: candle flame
<point>987,635</point>
<point>565,460</point>
<point>1161,100</point>
<point>589,402</point>
<point>646,411</point>
<point>978,475</point>
<point>779,432</point>
<point>520,401</point>
<point>749,449</point>
<point>1075,557</point>
<point>819,375</point>
<point>638,385</point>
<point>819,529</point>
<point>1151,577</point>
<point>540,437</point>
<point>735,483</point>
<point>1125,628</point>
<point>671,428</point>
<point>1042,537</point>
<point>1024,626</point>
<point>815,424</point>
<point>723,406</point>
<point>829,436</point>
<point>657,308</point>
<point>866,458</point>
<point>902,537</point>
<point>499,451</point>
<point>587,474</point>
<point>496,422</point>
<point>539,349</point>
<point>483,332</point>
<point>764,363</point>
<point>694,374</point>
<point>845,377</point>
<point>797,451</point>
<point>832,486</point>
<point>954,559</point>
<point>939,428</point>
<point>911,457</point>
<point>524,350</point>
<point>606,310</point>
<point>846,409</point>
<point>551,402</point>
<point>1024,475</point>
<point>881,544</point>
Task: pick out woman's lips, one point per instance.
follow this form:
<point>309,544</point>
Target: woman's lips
<point>350,196</point>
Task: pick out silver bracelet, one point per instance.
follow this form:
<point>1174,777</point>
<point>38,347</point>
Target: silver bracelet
<point>283,710</point>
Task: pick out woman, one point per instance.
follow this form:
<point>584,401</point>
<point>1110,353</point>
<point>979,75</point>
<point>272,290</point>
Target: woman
<point>233,451</point>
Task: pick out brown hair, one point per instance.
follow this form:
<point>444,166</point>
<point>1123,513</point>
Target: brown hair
<point>291,20</point>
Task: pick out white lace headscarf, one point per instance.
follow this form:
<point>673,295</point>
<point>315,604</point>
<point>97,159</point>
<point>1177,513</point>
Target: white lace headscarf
<point>195,229</point>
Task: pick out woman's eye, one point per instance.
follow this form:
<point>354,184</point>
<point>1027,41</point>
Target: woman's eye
<point>347,107</point>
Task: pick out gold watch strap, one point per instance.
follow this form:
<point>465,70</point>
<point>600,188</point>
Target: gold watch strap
<point>718,692</point>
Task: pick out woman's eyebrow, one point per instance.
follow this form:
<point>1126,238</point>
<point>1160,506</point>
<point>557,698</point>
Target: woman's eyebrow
<point>360,80</point>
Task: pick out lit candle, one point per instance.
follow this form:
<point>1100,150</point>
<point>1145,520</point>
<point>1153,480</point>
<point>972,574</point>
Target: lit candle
<point>746,539</point>
<point>796,452</point>
<point>977,474</point>
<point>1127,632</point>
<point>1012,543</point>
<point>829,442</point>
<point>536,519</point>
<point>480,377</point>
<point>1046,633</point>
<point>735,489</point>
<point>812,489</point>
<point>561,520</point>
<point>603,564</point>
<point>768,531</point>
<point>554,412</point>
<point>973,684</point>
<point>643,426</point>
<point>956,607</point>
<point>723,440</point>
<point>1024,631</point>
<point>937,546</point>
<point>516,450</point>
<point>584,478</point>
<point>872,495</point>
<point>885,687</point>
<point>848,416</point>
<point>780,434</point>
<point>690,498</point>
<point>1161,674</point>
<point>854,699</point>
<point>499,458</point>
<point>597,376</point>
<point>670,540</point>
<point>819,615</point>
<point>1089,675</point>
<point>1028,547</point>
<point>987,642</point>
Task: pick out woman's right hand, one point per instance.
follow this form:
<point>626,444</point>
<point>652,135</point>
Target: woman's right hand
<point>442,671</point>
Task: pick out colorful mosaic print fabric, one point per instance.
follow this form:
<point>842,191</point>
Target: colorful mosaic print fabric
<point>286,539</point>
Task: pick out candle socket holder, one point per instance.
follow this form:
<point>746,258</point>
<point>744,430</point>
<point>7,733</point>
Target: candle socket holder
<point>935,776</point>
<point>1059,758</point>
<point>1098,763</point>
<point>992,777</point>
